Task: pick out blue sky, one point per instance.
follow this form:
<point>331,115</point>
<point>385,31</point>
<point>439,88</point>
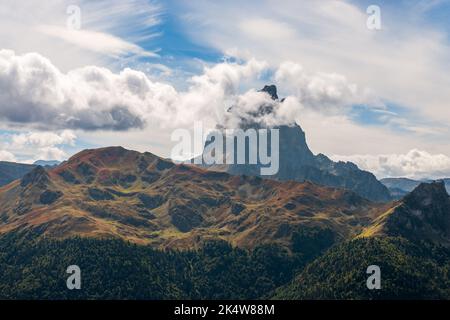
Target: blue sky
<point>363,95</point>
<point>176,41</point>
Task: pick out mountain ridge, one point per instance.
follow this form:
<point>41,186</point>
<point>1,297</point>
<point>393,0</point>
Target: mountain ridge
<point>114,192</point>
<point>399,187</point>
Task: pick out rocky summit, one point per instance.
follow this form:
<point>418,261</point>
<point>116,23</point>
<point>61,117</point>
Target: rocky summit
<point>297,162</point>
<point>422,215</point>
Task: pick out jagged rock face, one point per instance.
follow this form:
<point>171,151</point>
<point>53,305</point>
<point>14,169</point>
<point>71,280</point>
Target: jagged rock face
<point>271,90</point>
<point>298,163</point>
<point>37,177</point>
<point>49,197</point>
<point>424,214</point>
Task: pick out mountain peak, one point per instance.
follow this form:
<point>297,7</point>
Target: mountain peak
<point>297,161</point>
<point>271,90</point>
<point>424,214</point>
<point>105,157</point>
<point>427,193</point>
<point>110,166</point>
<point>115,150</point>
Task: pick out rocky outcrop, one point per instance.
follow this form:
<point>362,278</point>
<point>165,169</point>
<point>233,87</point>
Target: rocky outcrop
<point>49,197</point>
<point>424,214</point>
<point>38,177</point>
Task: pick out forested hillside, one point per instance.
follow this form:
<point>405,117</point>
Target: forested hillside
<point>114,269</point>
<point>408,271</point>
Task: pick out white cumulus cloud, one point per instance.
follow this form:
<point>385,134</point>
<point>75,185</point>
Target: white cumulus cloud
<point>39,145</point>
<point>415,164</point>
<point>7,156</point>
<point>322,91</point>
<point>35,92</point>
<point>43,139</point>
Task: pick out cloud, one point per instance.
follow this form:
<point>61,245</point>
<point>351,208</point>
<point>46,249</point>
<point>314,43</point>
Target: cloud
<point>267,29</point>
<point>50,153</point>
<point>43,139</point>
<point>34,92</point>
<point>415,164</point>
<point>7,156</point>
<point>112,31</point>
<point>328,92</point>
<point>323,93</point>
<point>212,93</point>
<point>97,42</point>
<point>39,145</point>
<point>36,95</point>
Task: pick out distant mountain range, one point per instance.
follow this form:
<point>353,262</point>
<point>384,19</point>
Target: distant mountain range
<point>298,163</point>
<point>47,163</point>
<point>10,171</point>
<point>399,187</point>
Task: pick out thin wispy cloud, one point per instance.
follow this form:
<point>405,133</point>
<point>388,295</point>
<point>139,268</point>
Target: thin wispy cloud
<point>98,42</point>
<point>109,30</point>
